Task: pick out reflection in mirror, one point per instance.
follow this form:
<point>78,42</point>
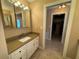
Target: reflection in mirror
<point>7,20</point>
<point>22,18</point>
<point>16,20</point>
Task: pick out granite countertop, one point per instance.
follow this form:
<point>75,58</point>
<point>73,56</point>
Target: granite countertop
<point>14,43</point>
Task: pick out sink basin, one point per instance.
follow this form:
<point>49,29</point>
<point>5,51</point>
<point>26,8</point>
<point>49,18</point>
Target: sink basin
<point>25,39</point>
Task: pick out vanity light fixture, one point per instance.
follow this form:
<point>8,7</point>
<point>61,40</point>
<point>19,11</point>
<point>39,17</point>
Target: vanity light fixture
<point>17,3</point>
<point>11,1</point>
<point>63,6</point>
<point>25,8</point>
<point>21,5</point>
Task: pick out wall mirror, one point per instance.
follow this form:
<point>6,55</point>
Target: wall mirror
<point>16,19</point>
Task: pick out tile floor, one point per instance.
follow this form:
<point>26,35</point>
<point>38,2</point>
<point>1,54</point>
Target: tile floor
<point>53,50</point>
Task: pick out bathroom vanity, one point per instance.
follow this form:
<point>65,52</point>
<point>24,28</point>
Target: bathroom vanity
<point>23,46</point>
<point>17,22</point>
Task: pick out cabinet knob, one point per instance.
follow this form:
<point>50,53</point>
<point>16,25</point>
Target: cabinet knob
<point>20,51</point>
<point>21,58</point>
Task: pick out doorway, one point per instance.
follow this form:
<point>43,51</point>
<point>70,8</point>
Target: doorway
<point>67,15</point>
<point>57,26</point>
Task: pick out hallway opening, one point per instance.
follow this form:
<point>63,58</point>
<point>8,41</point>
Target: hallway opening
<point>57,26</point>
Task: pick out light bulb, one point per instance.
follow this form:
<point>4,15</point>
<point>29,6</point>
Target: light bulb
<point>63,6</point>
<point>60,6</point>
<point>25,8</point>
<point>21,6</point>
<point>18,3</point>
<point>11,1</point>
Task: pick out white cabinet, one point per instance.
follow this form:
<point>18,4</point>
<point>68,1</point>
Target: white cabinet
<point>32,46</point>
<point>29,49</point>
<point>16,55</point>
<point>26,51</point>
<point>36,42</point>
<point>21,53</point>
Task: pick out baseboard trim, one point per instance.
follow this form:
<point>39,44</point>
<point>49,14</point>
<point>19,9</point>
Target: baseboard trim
<point>67,58</point>
<point>41,48</point>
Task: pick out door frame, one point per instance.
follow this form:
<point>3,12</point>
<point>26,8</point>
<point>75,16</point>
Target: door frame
<point>64,25</point>
<point>44,24</point>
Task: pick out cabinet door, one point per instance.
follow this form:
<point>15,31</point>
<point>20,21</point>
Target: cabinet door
<point>16,55</point>
<point>23,52</point>
<point>30,49</point>
<point>32,46</point>
<point>36,43</point>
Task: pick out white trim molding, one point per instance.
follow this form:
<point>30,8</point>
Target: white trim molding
<point>57,3</point>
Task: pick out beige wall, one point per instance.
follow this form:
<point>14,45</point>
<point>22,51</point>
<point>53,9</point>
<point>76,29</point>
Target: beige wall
<point>11,32</point>
<point>49,1</point>
<point>37,8</point>
<point>74,35</point>
<point>3,47</point>
<point>37,18</point>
